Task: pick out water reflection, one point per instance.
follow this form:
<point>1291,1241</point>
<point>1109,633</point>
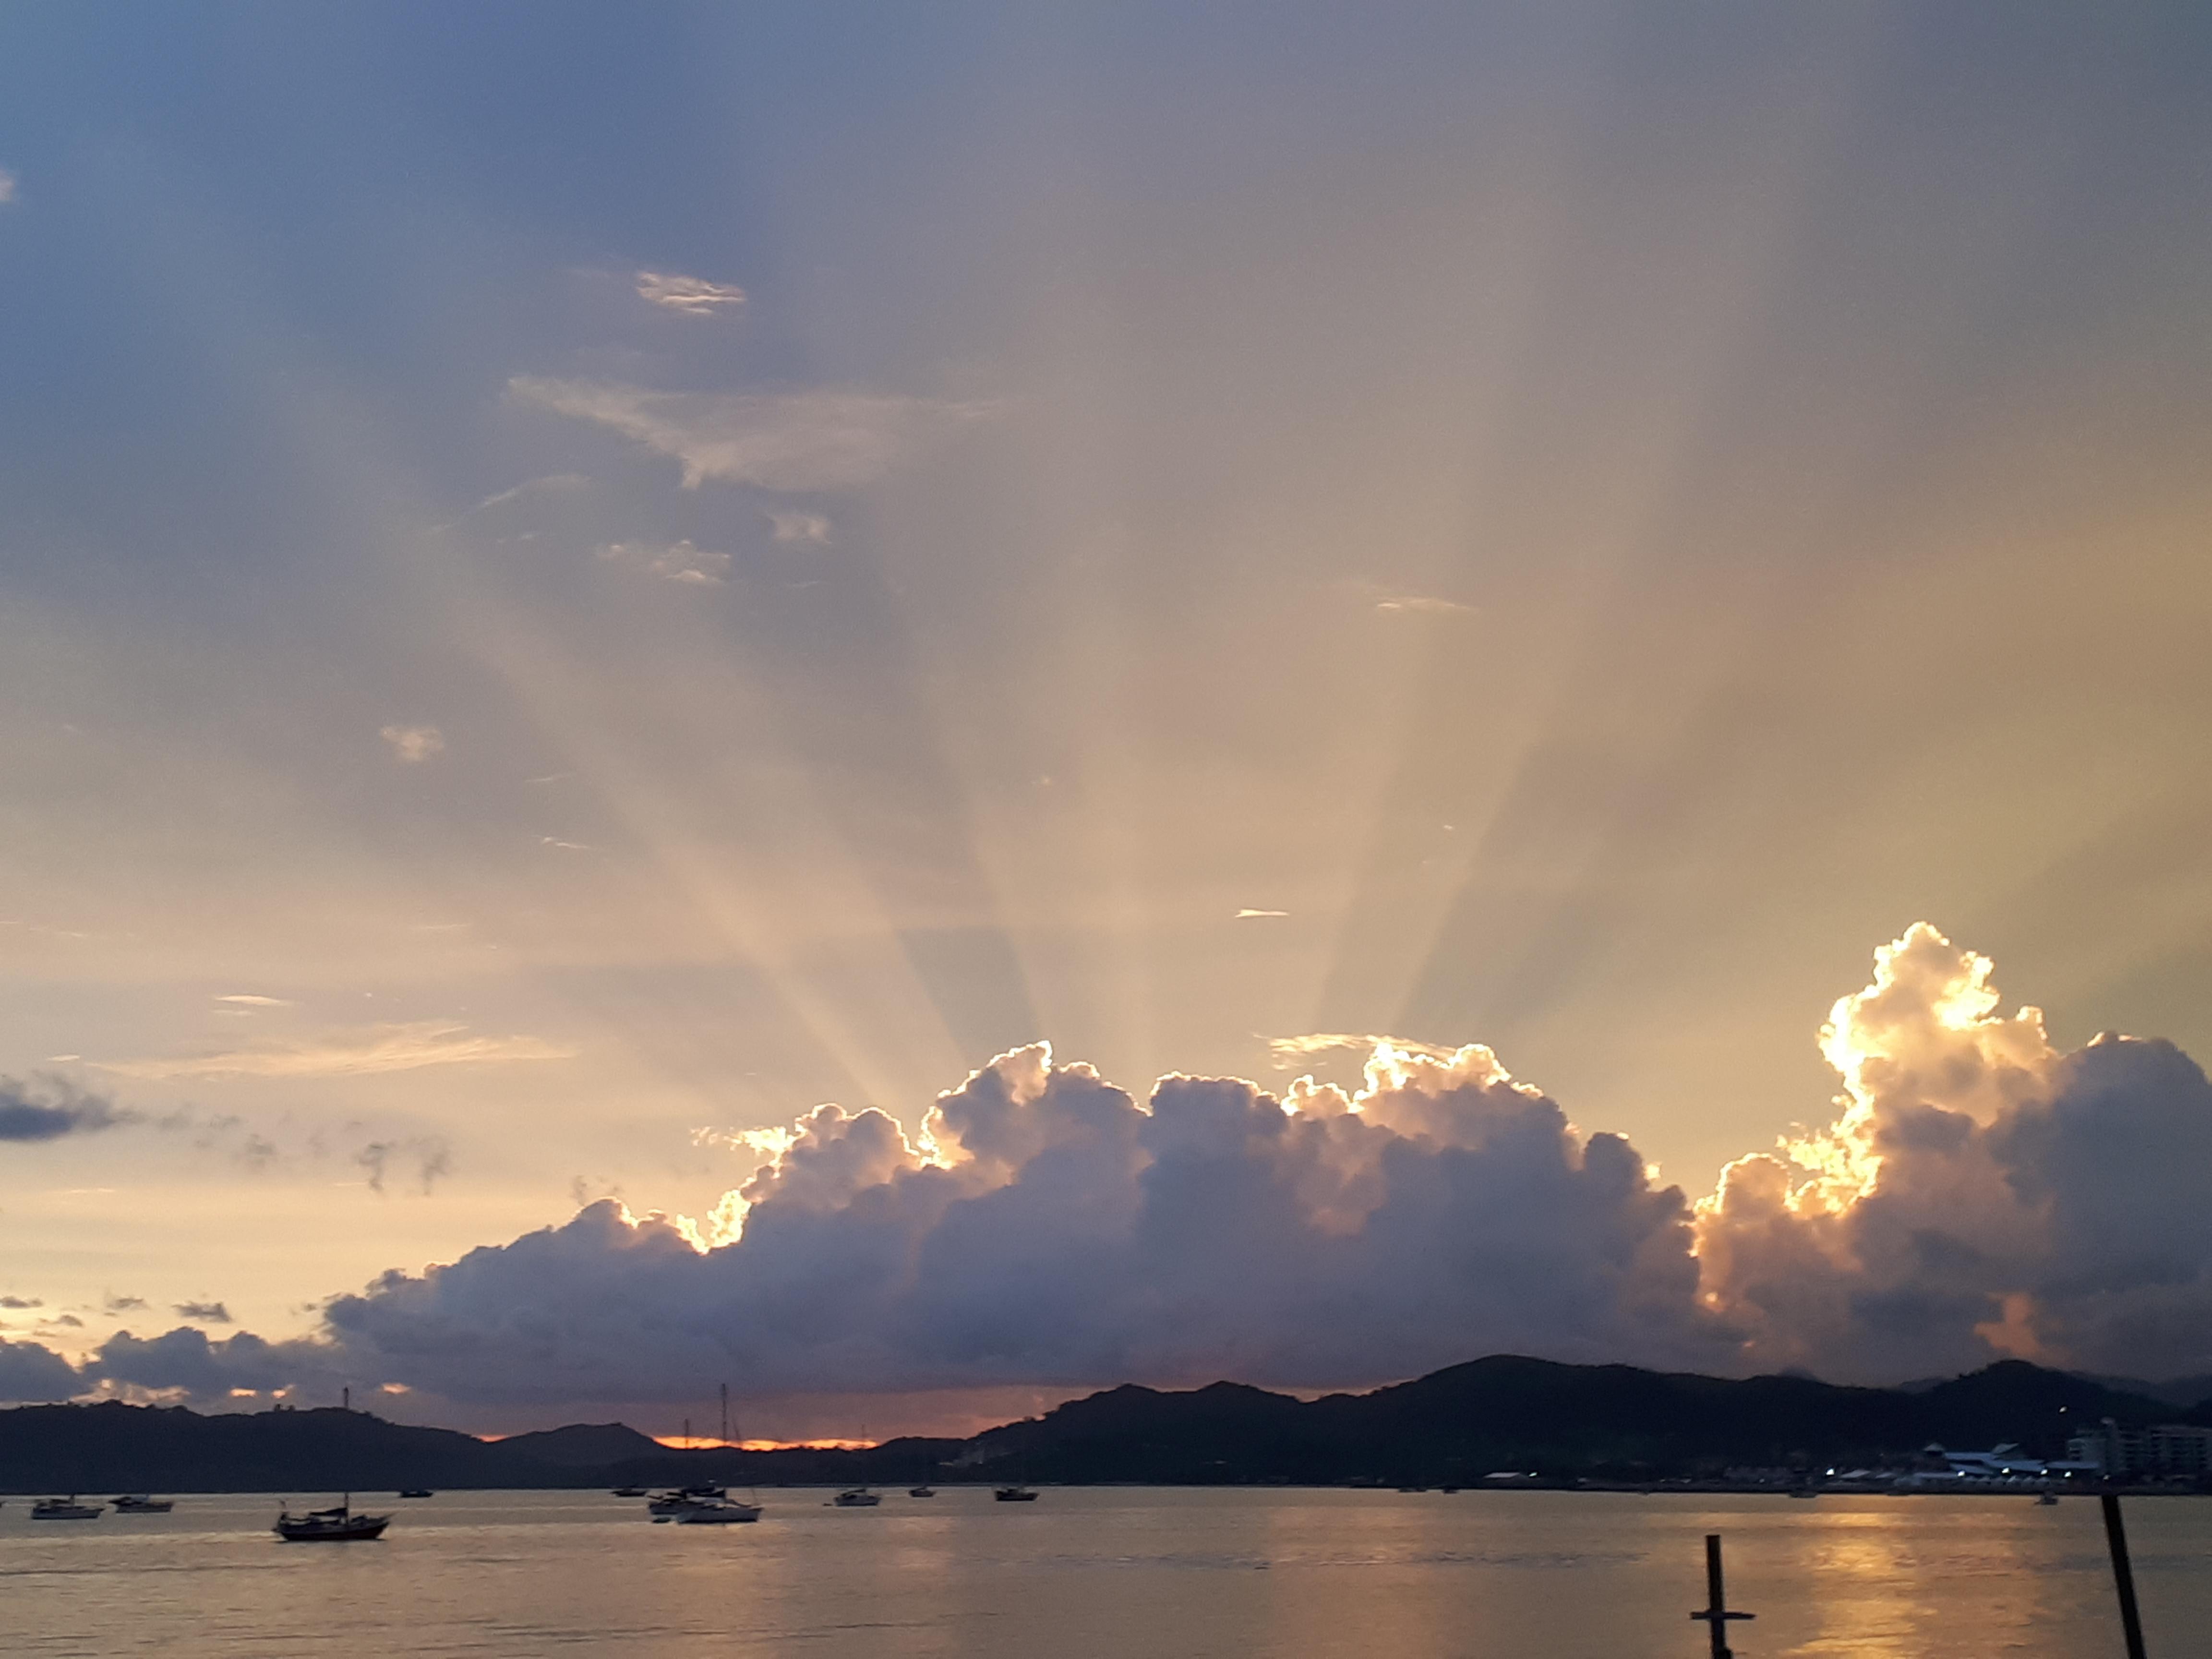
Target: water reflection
<point>1089,1574</point>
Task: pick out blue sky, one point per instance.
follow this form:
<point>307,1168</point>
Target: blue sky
<point>575,579</point>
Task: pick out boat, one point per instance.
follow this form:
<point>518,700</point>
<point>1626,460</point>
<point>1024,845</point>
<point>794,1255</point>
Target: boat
<point>337,1525</point>
<point>418,1491</point>
<point>66,1509</point>
<point>719,1512</point>
<point>629,1491</point>
<point>921,1491</point>
<point>2046,1496</point>
<point>684,1497</point>
<point>856,1498</point>
<point>1014,1495</point>
<point>143,1504</point>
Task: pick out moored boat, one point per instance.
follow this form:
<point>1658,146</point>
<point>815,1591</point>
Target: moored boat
<point>686,1498</point>
<point>336,1525</point>
<point>418,1491</point>
<point>629,1491</point>
<point>856,1498</point>
<point>719,1512</point>
<point>1015,1495</point>
<point>64,1508</point>
<point>143,1504</point>
<point>921,1491</point>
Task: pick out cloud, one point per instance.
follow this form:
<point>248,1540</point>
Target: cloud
<point>1423,605</point>
<point>124,1303</point>
<point>7,187</point>
<point>184,1360</point>
<point>49,1108</point>
<point>430,1155</point>
<point>21,1302</point>
<point>798,440</point>
<point>679,562</point>
<point>1979,1193</point>
<point>212,1313</point>
<point>412,745</point>
<point>813,527</point>
<point>694,296</point>
<point>246,1000</point>
<point>1255,915</point>
<point>1291,1050</point>
<point>360,1052</point>
<point>32,1373</point>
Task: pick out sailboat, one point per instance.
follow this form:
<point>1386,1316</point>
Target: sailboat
<point>336,1525</point>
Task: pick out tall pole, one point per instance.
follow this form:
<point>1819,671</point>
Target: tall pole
<point>2124,1577</point>
<point>1716,1613</point>
<point>725,1416</point>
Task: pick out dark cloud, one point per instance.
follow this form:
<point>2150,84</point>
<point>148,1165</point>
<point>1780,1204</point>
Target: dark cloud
<point>47,1107</point>
<point>210,1313</point>
<point>21,1302</point>
<point>427,1158</point>
<point>185,1358</point>
<point>31,1372</point>
<point>124,1303</point>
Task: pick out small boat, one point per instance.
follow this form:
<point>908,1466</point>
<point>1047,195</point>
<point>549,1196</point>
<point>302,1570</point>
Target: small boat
<point>418,1491</point>
<point>856,1498</point>
<point>719,1512</point>
<point>921,1491</point>
<point>2046,1496</point>
<point>1014,1495</point>
<point>629,1491</point>
<point>338,1525</point>
<point>66,1509</point>
<point>685,1498</point>
<point>143,1504</point>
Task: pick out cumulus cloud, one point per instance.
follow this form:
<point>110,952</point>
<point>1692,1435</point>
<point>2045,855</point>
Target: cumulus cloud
<point>184,1360</point>
<point>1977,1193</point>
<point>49,1108</point>
<point>413,744</point>
<point>1290,1051</point>
<point>360,1052</point>
<point>808,527</point>
<point>797,441</point>
<point>694,296</point>
<point>678,562</point>
<point>31,1373</point>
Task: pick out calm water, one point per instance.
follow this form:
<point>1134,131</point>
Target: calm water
<point>1145,1573</point>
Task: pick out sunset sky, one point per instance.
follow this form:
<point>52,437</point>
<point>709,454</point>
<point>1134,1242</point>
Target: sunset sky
<point>578,582</point>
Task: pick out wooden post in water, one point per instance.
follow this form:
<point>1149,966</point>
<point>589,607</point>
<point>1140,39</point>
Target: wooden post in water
<point>2124,1577</point>
<point>1716,1613</point>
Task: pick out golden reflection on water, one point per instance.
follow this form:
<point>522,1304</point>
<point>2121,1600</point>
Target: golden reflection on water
<point>1116,1573</point>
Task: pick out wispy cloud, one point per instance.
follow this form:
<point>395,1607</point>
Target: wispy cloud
<point>678,561</point>
<point>359,1053</point>
<point>801,441</point>
<point>1423,605</point>
<point>413,744</point>
<point>1254,915</point>
<point>48,1107</point>
<point>7,187</point>
<point>428,1155</point>
<point>800,527</point>
<point>695,296</point>
<point>1292,1050</point>
<point>247,999</point>
<point>116,1304</point>
<point>205,1313</point>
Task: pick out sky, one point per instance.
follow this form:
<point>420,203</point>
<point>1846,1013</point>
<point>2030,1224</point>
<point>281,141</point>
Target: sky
<point>580,583</point>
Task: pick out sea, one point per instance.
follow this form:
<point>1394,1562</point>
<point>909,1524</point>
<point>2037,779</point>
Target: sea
<point>1129,1572</point>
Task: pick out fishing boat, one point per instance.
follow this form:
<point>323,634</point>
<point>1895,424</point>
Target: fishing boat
<point>1014,1495</point>
<point>921,1491</point>
<point>142,1503</point>
<point>64,1508</point>
<point>856,1498</point>
<point>718,1512</point>
<point>337,1525</point>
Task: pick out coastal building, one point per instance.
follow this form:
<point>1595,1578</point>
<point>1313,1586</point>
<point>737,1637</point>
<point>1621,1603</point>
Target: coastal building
<point>2169,1448</point>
